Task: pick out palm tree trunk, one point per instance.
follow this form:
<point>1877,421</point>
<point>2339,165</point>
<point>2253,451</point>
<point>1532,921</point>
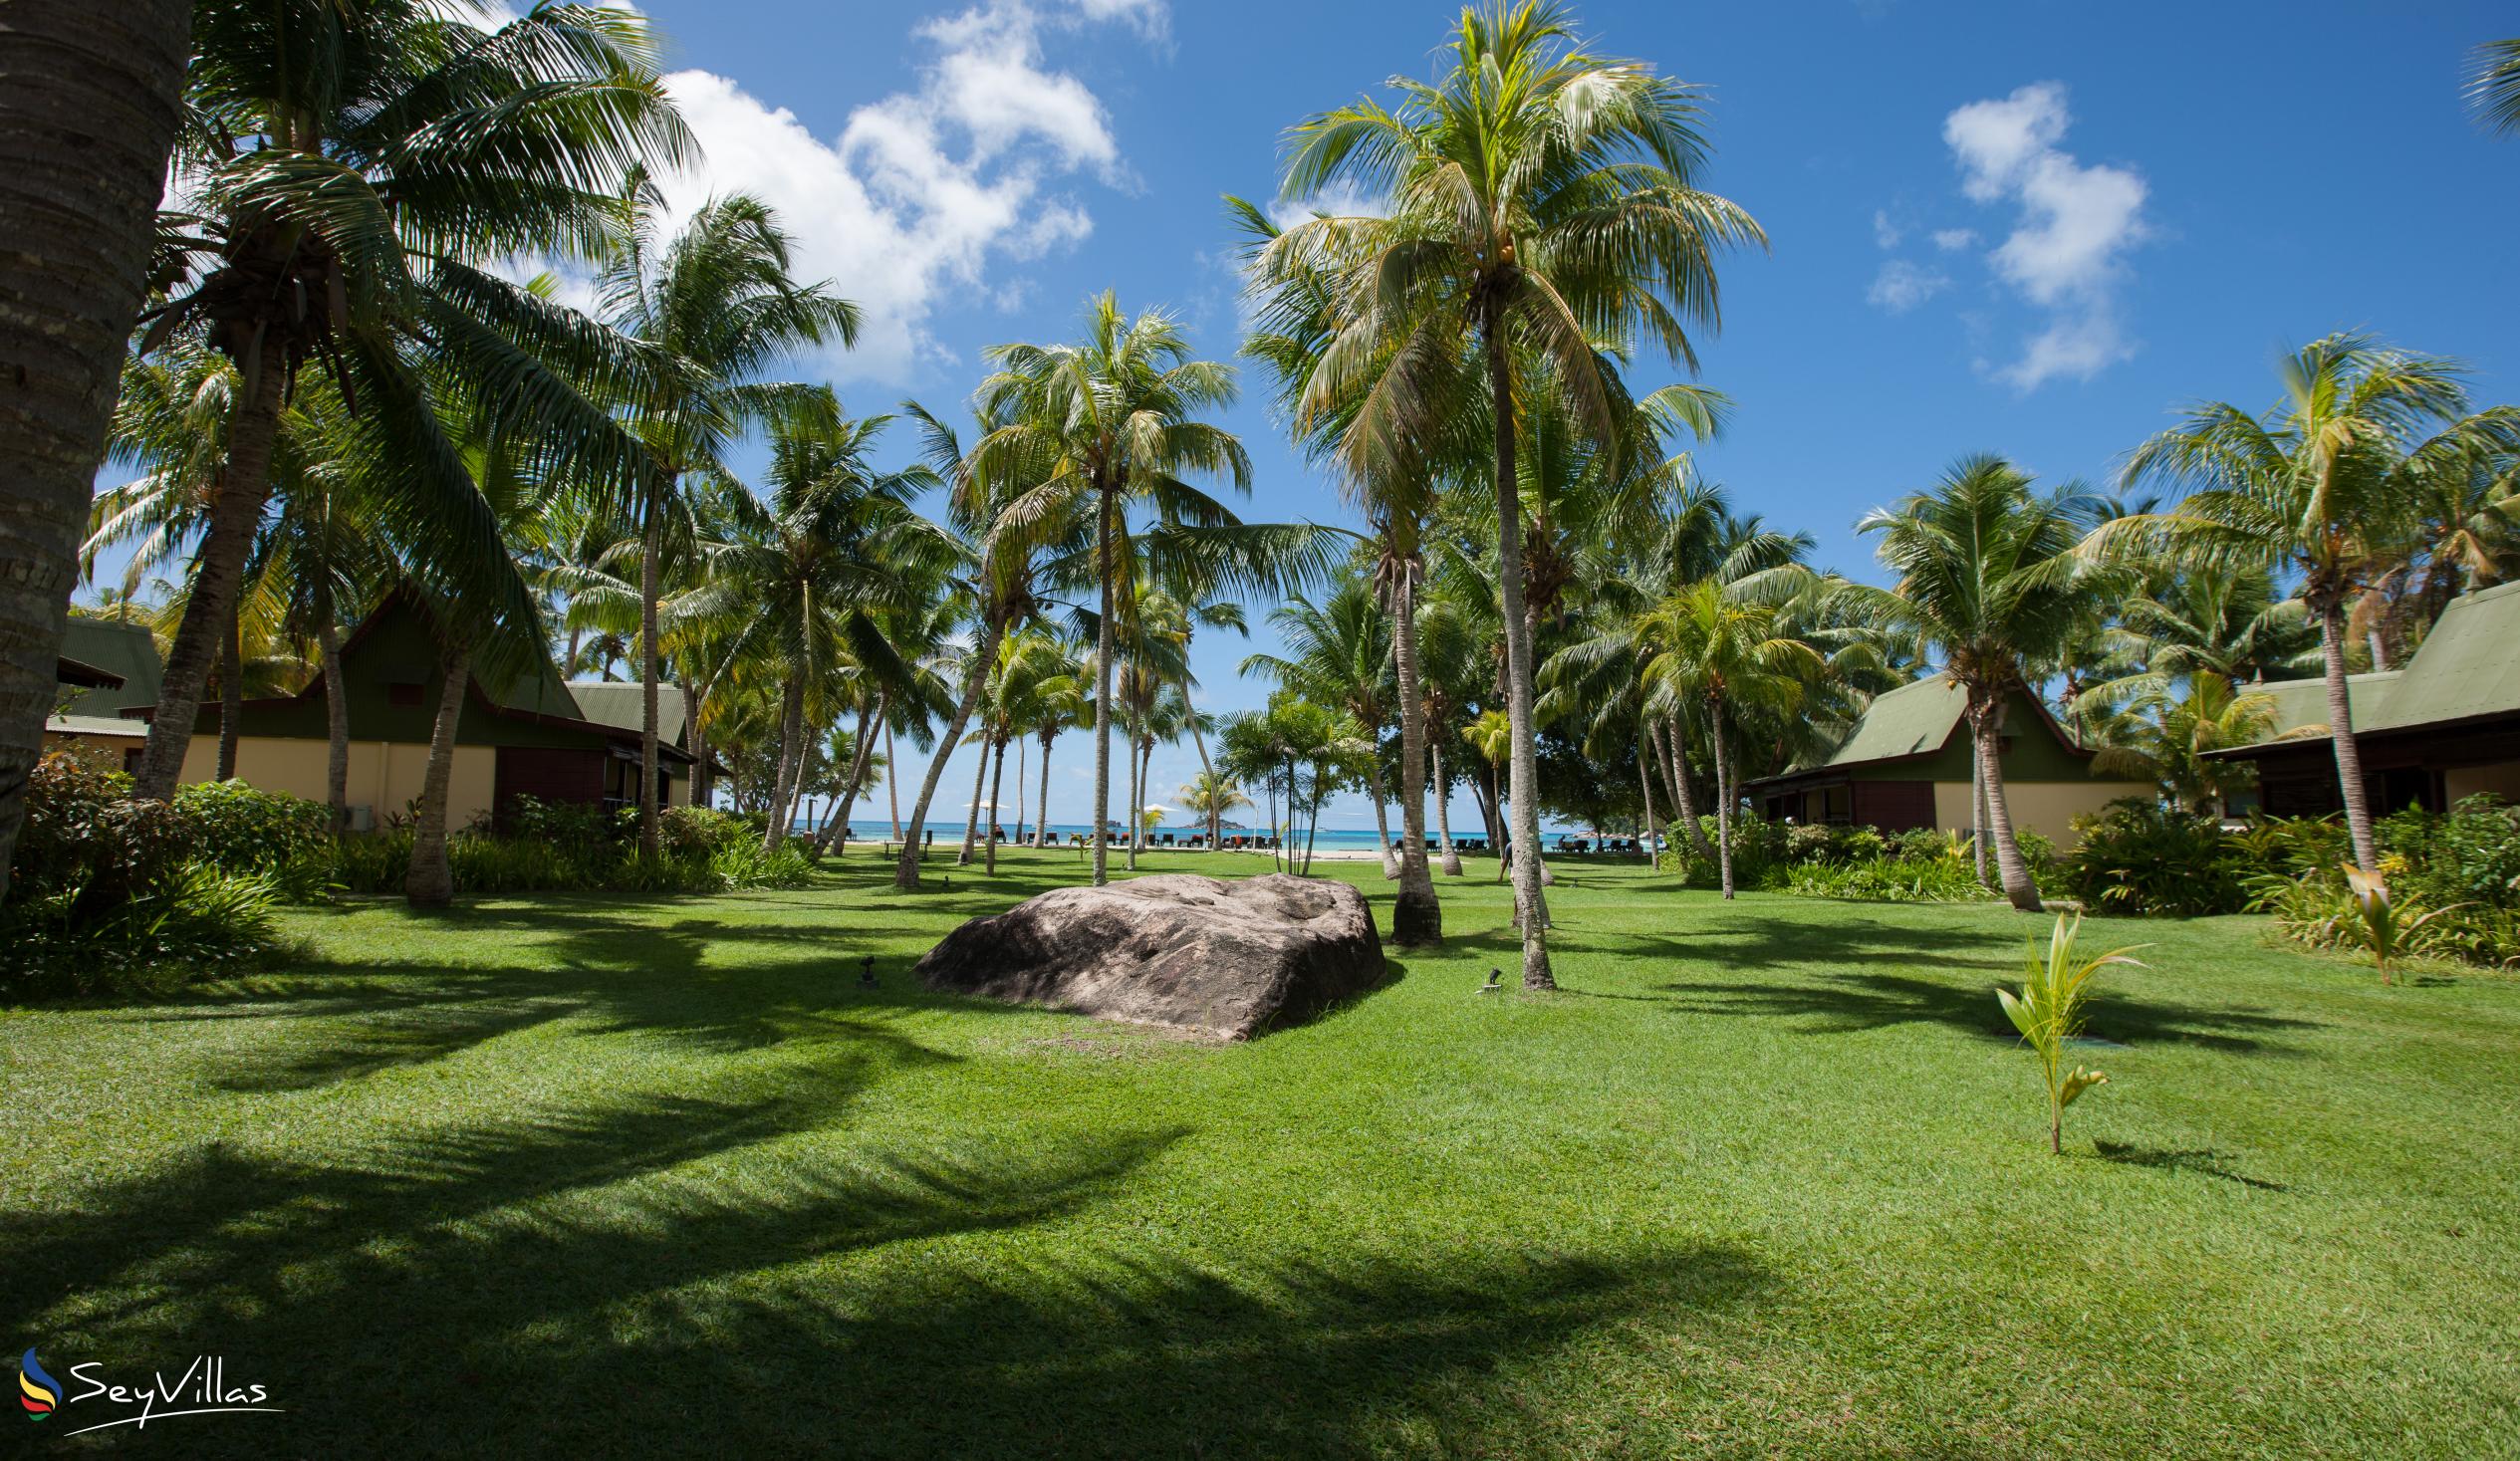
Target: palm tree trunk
<point>1041,824</point>
<point>1644,784</point>
<point>1977,807</point>
<point>1023,747</point>
<point>217,578</point>
<point>892,780</point>
<point>1417,915</point>
<point>1137,794</point>
<point>1723,794</point>
<point>1496,832</point>
<point>2349,751</point>
<point>328,639</point>
<point>430,883</point>
<point>89,101</point>
<point>1104,569</point>
<point>791,761</point>
<point>651,547</point>
<point>231,688</point>
<point>1443,807</point>
<point>1198,738</point>
<point>997,789</point>
<point>1312,823</point>
<point>974,680</point>
<point>838,825</point>
<point>703,785</point>
<point>1269,788</point>
<point>1679,787</point>
<point>971,824</point>
<point>1518,684</point>
<point>1987,722</point>
<point>1290,816</point>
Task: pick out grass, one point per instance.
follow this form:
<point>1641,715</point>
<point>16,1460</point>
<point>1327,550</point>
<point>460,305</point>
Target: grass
<point>557,1175</point>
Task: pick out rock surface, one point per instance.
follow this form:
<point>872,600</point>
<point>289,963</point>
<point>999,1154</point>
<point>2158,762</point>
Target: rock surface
<point>1233,958</point>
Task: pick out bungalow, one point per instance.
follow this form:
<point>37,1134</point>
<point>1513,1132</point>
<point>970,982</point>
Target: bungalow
<point>1906,764</point>
<point>2443,728</point>
<point>533,735</point>
<point>107,666</point>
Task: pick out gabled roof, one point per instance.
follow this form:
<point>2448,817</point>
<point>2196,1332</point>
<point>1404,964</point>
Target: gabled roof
<point>1916,719</point>
<point>123,652</point>
<point>2466,669</point>
<point>617,703</point>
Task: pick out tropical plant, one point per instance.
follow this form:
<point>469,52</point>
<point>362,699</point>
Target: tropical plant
<point>76,212</point>
<point>1492,737</point>
<point>2385,927</point>
<point>1989,579</point>
<point>1211,797</point>
<point>348,164</point>
<point>2493,87</point>
<point>1536,195</point>
<point>2049,1013</point>
<point>2326,485</point>
<point>1092,428</point>
<point>2168,737</point>
<point>708,310</point>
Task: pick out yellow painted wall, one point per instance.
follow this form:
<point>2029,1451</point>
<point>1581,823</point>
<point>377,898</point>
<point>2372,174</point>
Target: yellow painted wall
<point>2047,807</point>
<point>2502,778</point>
<point>385,775</point>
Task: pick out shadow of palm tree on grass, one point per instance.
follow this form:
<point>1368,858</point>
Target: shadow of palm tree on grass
<point>2203,1161</point>
<point>663,1274</point>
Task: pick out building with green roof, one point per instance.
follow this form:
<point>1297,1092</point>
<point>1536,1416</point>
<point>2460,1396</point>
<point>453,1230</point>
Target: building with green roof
<point>107,667</point>
<point>2445,727</point>
<point>1906,763</point>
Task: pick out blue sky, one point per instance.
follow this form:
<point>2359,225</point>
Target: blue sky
<point>2029,228</point>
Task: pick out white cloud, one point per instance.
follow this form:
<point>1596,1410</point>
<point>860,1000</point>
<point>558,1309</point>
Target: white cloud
<point>1952,240</point>
<point>1903,286</point>
<point>1884,232</point>
<point>1342,201</point>
<point>2065,253</point>
<point>922,193</point>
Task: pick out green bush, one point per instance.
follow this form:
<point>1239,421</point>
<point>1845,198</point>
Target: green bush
<point>243,828</point>
<point>86,849</point>
<point>1889,881</point>
<point>703,852</point>
<point>2141,858</point>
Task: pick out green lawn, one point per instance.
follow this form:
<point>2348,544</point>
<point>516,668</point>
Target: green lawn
<point>551,1175</point>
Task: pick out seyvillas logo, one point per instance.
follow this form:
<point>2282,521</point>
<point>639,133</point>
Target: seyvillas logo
<point>203,1388</point>
<point>39,1393</point>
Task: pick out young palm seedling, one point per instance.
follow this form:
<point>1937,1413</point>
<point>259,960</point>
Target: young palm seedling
<point>2049,1012</point>
<point>2379,923</point>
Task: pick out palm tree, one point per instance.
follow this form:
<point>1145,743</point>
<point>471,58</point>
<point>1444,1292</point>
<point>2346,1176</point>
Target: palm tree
<point>2328,485</point>
<point>1492,736</point>
<point>2493,87</point>
<point>1342,657</point>
<point>1538,194</point>
<point>1211,797</point>
<point>1989,578</point>
<point>805,576</point>
<point>2167,733</point>
<point>710,310</point>
<point>350,161</point>
<point>92,104</point>
<point>1249,750</point>
<point>1727,652</point>
<point>1102,423</point>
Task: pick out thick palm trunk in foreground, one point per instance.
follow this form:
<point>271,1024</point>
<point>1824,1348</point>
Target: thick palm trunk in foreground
<point>430,883</point>
<point>231,693</point>
<point>218,578</point>
<point>88,103</point>
<point>1417,915</point>
<point>1987,724</point>
<point>2349,751</point>
<point>1525,770</point>
<point>905,871</point>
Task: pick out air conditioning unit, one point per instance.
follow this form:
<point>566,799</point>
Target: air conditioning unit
<point>362,817</point>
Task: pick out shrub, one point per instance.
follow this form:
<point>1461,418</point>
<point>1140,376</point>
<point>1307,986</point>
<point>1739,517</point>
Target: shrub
<point>2479,842</point>
<point>2049,1013</point>
<point>1889,881</point>
<point>2139,857</point>
<point>85,848</point>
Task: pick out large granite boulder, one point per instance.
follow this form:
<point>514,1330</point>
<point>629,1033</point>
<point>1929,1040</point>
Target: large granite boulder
<point>1233,958</point>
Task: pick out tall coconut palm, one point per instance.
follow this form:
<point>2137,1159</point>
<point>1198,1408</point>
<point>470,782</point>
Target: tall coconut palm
<point>90,100</point>
<point>350,161</point>
<point>1106,422</point>
<point>2327,485</point>
<point>2493,87</point>
<point>1538,194</point>
<point>711,309</point>
<point>1988,576</point>
<point>1211,797</point>
<point>807,575</point>
<point>1492,737</point>
<point>1727,652</point>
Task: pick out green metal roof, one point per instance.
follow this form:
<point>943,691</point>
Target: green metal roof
<point>2469,666</point>
<point>122,650</point>
<point>617,703</point>
<point>2300,707</point>
<point>96,725</point>
<point>1916,719</point>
